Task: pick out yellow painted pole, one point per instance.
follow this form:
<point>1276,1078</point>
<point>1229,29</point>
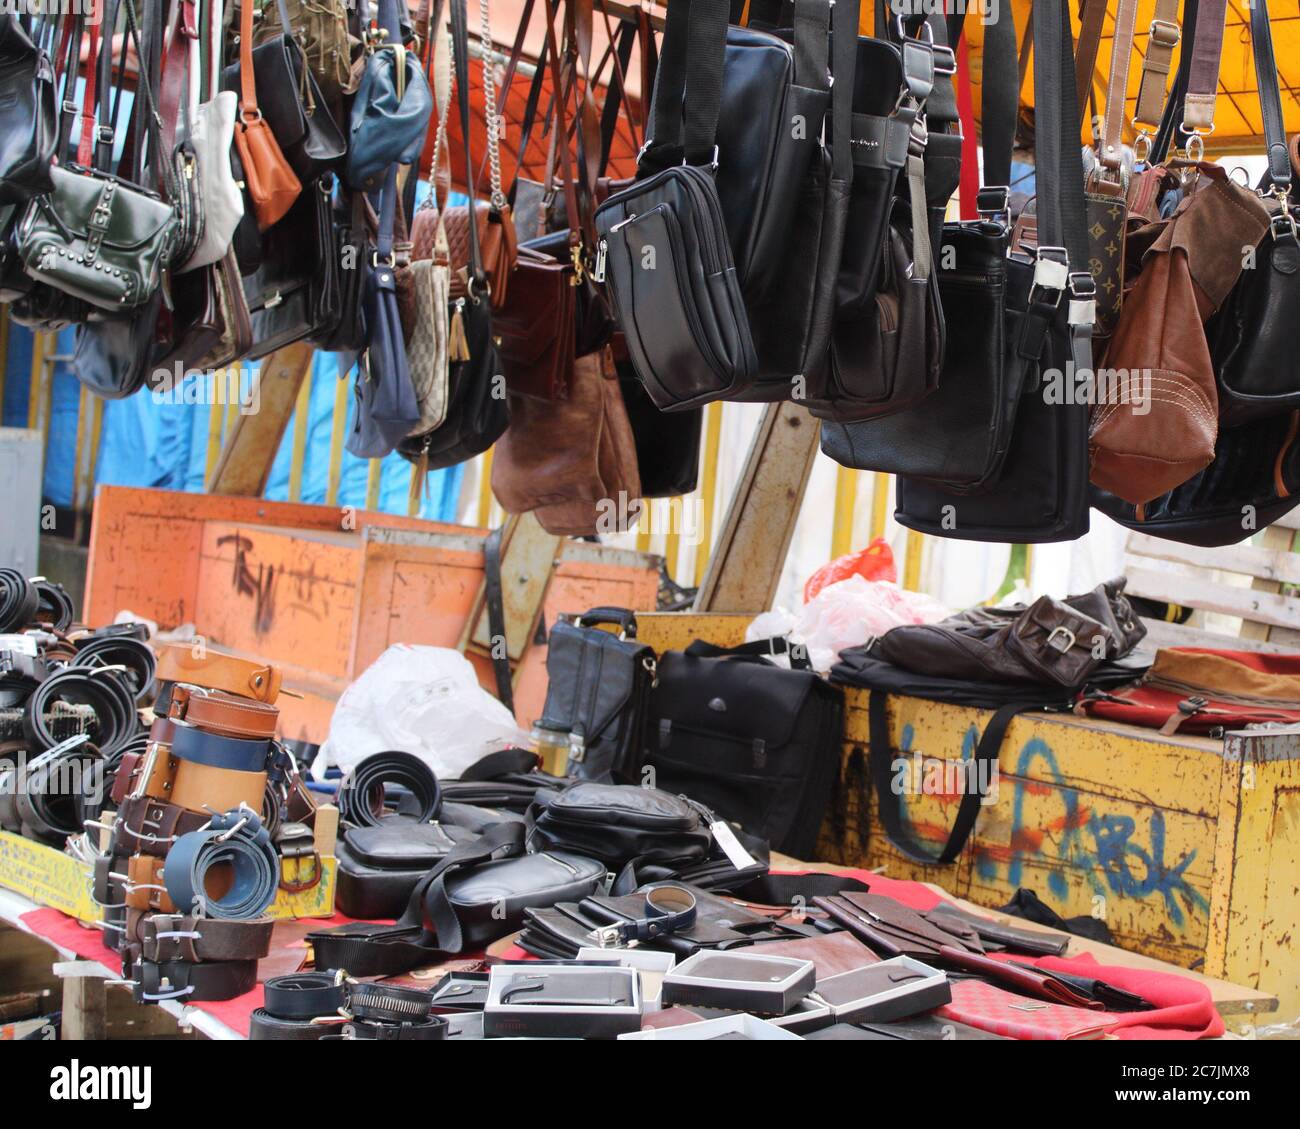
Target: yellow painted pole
<point>301,423</point>
<point>708,487</point>
<point>644,524</point>
<point>912,555</point>
<point>36,389</point>
<point>673,534</point>
<point>374,478</point>
<point>879,503</point>
<point>341,392</point>
<point>846,500</point>
<point>484,515</point>
<point>79,453</point>
<point>215,418</point>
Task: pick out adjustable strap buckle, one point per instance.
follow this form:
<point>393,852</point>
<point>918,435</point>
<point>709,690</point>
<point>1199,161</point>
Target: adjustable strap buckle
<point>945,60</point>
<point>993,201</point>
<point>1061,639</point>
<point>1083,298</point>
<point>1165,33</point>
<point>1051,273</point>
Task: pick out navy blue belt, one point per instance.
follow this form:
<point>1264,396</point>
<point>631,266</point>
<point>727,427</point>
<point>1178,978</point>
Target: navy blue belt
<point>238,753</point>
<point>667,910</point>
<point>235,843</point>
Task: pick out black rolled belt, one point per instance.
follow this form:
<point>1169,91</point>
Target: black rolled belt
<point>173,936</point>
<point>361,795</point>
<point>193,983</point>
<point>19,600</point>
<point>262,1025</point>
<point>54,605</point>
<point>104,691</point>
<point>56,788</point>
<point>388,1002</point>
<point>305,995</point>
<point>668,910</point>
<point>238,753</point>
<point>134,655</point>
<point>431,1027</point>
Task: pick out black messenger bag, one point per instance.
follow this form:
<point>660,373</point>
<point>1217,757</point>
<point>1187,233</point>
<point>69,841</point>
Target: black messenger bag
<point>754,742</point>
<point>380,866</point>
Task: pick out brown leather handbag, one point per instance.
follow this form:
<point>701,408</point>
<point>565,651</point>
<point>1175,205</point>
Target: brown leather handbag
<point>569,460</point>
<point>536,327</point>
<point>1155,417</point>
<point>272,185</point>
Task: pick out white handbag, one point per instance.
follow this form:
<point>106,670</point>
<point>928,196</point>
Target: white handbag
<point>212,133</point>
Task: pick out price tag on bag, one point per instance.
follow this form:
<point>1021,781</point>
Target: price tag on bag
<point>731,847</point>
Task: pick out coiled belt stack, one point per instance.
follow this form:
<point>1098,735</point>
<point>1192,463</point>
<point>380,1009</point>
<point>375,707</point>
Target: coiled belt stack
<point>328,1005</point>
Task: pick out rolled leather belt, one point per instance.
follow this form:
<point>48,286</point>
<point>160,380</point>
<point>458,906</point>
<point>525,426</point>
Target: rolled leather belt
<point>150,827</point>
<point>305,995</point>
<point>144,886</point>
<point>178,663</point>
<point>430,1028</point>
<point>192,983</point>
<point>667,910</point>
<point>235,845</point>
<point>54,786</point>
<point>361,795</point>
<point>388,1002</point>
<point>262,1026</point>
<point>107,890</point>
<point>219,712</point>
<point>174,936</point>
<point>238,753</point>
<point>10,820</point>
<point>113,935</point>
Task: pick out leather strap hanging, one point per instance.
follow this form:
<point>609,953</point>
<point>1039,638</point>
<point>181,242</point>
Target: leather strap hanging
<point>1163,36</point>
<point>1203,75</point>
<point>1112,146</point>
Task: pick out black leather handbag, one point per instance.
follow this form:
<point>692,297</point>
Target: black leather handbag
<point>478,410</point>
<point>959,435</point>
<point>599,688</point>
<point>294,292</point>
<point>1252,339</point>
<point>387,410</point>
<point>663,250</point>
<point>1042,492</point>
<point>754,742</point>
<point>620,824</point>
<point>293,105</point>
<point>667,443</point>
<point>28,114</point>
<point>352,241</point>
<point>379,866</point>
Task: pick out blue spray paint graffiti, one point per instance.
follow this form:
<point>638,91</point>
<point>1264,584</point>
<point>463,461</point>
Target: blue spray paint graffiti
<point>1100,845</point>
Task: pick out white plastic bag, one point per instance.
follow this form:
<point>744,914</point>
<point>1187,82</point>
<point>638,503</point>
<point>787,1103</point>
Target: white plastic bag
<point>421,700</point>
<point>849,612</point>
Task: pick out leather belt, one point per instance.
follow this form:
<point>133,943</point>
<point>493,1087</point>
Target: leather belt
<point>177,663</point>
<point>227,715</point>
<point>188,784</point>
<point>119,650</point>
<point>668,910</point>
<point>168,936</point>
<point>144,884</point>
<point>19,600</point>
<point>388,1002</point>
<point>262,1025</point>
<point>54,605</point>
<point>103,690</point>
<point>237,753</point>
<point>113,934</point>
<point>54,789</point>
<point>192,983</point>
<point>234,845</point>
<point>431,1027</point>
<point>148,826</point>
<point>305,995</point>
<point>361,795</point>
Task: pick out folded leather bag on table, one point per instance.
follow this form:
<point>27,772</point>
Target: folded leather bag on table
<point>599,686</point>
<point>1197,690</point>
<point>754,742</point>
<point>380,866</point>
<point>476,894</point>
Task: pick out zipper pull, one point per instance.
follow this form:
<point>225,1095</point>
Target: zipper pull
<point>598,271</point>
<point>457,342</point>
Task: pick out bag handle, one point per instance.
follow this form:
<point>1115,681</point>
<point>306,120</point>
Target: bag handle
<point>1092,19</point>
<point>758,648</point>
<point>1173,106</point>
<point>1203,75</point>
<point>624,619</point>
<point>1163,36</point>
<point>1112,147</point>
<point>1270,99</point>
<point>688,92</point>
<point>477,283</point>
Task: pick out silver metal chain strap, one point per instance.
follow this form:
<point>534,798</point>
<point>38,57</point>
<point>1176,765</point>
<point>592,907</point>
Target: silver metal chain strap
<point>490,105</point>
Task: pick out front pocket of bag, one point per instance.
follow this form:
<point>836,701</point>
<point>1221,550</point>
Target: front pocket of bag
<point>664,328</point>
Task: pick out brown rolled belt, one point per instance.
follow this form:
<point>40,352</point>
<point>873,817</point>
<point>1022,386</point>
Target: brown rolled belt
<point>259,681</point>
<point>148,826</point>
<point>144,886</point>
<point>158,775</point>
<point>174,936</point>
<point>217,711</point>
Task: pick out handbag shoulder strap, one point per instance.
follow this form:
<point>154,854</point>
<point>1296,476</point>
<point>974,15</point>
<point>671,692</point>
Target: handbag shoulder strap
<point>1171,116</point>
<point>1000,99</point>
<point>759,648</point>
<point>477,278</point>
<point>248,110</point>
<point>1092,19</point>
<point>1121,52</point>
<point>1163,36</point>
<point>1270,98</point>
<point>1203,74</point>
<point>688,93</point>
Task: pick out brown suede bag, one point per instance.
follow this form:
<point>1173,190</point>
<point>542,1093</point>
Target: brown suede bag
<point>1156,414</point>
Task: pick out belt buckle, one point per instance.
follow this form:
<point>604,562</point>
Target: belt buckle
<point>1061,639</point>
<point>610,937</point>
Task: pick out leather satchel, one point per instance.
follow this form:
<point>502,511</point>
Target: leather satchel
<point>598,686</point>
<point>288,97</point>
<point>270,181</point>
<point>29,116</point>
<point>496,237</point>
<point>536,327</point>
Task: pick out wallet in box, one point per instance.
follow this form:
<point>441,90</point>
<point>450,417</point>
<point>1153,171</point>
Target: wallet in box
<point>892,989</point>
<point>1019,1017</point>
<point>567,1000</point>
<point>740,981</point>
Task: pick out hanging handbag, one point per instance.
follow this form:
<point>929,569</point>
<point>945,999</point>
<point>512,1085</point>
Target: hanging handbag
<point>295,292</point>
<point>211,135</point>
<point>477,407</point>
<point>210,324</point>
<point>321,29</point>
<point>353,223</point>
<point>288,98</point>
<point>663,249</point>
<point>29,117</point>
<point>271,183</point>
<point>386,407</point>
<point>1254,357</point>
<point>959,434</point>
<point>1041,494</point>
<point>667,443</point>
<point>598,689</point>
<point>391,108</point>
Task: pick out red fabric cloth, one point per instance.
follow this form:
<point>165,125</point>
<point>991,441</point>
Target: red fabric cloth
<point>1184,1010</point>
